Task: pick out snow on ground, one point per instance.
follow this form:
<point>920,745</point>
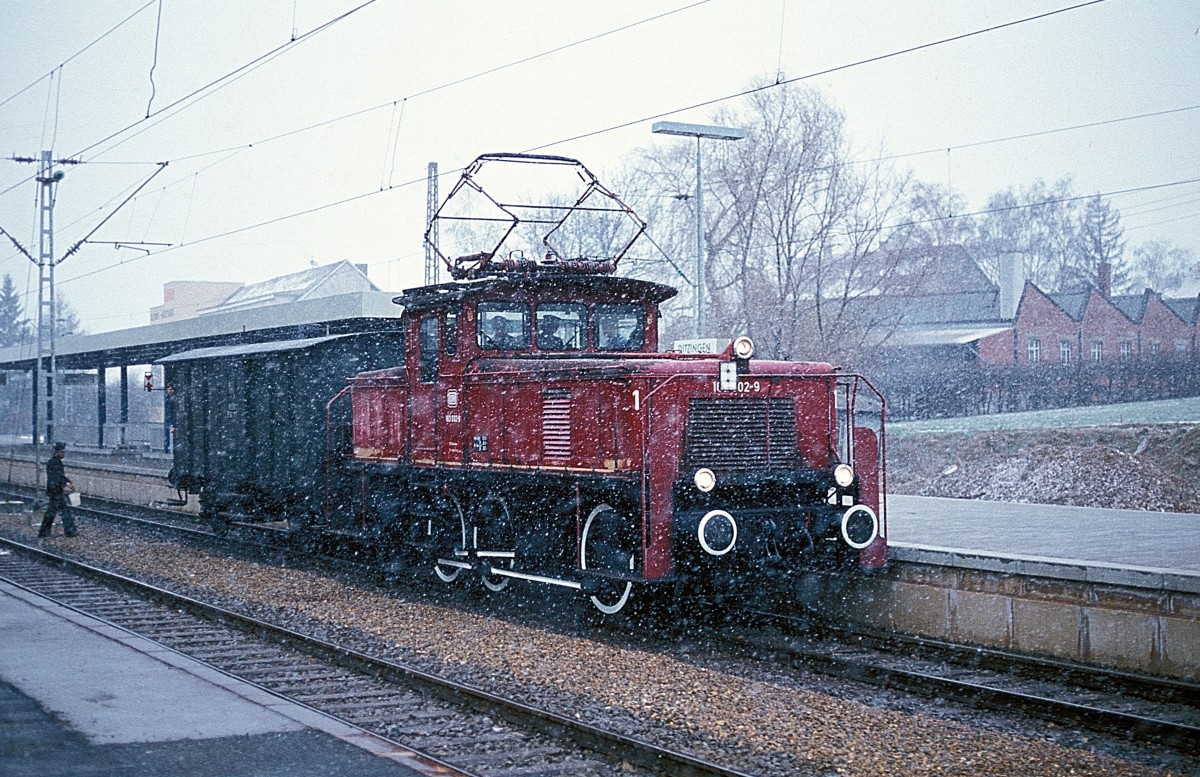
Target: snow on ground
<point>1143,455</point>
<point>1168,411</point>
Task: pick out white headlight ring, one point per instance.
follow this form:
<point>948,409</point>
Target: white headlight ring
<point>720,517</point>
<point>853,516</point>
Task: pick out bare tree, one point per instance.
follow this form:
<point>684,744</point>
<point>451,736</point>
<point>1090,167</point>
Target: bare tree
<point>1039,223</point>
<point>794,229</point>
<point>1163,266</point>
<point>937,218</point>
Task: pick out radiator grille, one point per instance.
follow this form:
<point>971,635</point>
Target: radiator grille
<point>556,423</point>
<point>741,434</point>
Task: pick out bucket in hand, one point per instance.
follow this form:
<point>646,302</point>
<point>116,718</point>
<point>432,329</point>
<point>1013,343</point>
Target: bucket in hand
<point>73,499</point>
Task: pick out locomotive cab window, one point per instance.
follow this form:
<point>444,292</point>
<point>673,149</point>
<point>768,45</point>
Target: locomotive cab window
<point>503,326</point>
<point>561,326</point>
<point>428,344</point>
<point>620,327</point>
<point>451,334</point>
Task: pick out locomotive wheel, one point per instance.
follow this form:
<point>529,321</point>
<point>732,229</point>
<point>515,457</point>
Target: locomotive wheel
<point>493,539</point>
<point>607,545</point>
<point>447,532</point>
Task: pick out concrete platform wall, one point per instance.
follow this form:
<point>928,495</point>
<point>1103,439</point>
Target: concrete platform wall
<point>103,479</point>
<point>1137,620</point>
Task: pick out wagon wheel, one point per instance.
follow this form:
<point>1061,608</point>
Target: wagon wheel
<point>446,530</point>
<point>493,540</point>
<point>608,544</point>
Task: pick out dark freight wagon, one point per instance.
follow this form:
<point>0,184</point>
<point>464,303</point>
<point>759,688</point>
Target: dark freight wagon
<point>250,424</point>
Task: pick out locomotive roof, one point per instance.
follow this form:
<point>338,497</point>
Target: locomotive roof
<point>579,286</point>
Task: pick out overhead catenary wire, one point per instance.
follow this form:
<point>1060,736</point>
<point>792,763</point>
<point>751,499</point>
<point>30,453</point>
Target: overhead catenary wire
<point>354,198</point>
<point>162,166</point>
<point>212,86</point>
<point>154,63</point>
<point>111,30</point>
<point>439,87</point>
<point>488,71</point>
<point>818,73</point>
<point>856,63</point>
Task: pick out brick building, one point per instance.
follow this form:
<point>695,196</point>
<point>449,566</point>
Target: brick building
<point>970,346</point>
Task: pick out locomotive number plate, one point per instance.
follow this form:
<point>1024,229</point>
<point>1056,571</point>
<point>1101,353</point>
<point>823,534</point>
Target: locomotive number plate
<point>479,443</point>
<point>745,386</point>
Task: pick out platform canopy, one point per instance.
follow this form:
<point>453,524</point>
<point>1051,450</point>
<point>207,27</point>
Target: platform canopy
<point>318,317</point>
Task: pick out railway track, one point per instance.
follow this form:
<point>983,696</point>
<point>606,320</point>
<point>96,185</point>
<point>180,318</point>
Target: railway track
<point>450,727</point>
<point>1125,705</point>
<point>1149,709</point>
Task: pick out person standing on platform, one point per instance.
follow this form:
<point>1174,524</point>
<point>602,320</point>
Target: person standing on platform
<point>57,487</point>
<point>168,418</point>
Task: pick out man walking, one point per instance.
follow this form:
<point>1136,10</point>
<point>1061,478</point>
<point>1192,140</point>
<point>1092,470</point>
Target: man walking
<point>57,486</point>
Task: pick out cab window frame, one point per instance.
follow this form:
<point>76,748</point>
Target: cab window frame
<point>573,320</point>
<point>518,313</point>
<point>603,331</point>
<point>428,344</point>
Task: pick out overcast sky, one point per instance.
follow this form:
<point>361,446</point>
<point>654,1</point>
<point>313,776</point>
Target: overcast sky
<point>266,176</point>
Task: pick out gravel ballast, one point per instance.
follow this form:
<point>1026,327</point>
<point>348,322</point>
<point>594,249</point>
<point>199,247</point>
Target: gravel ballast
<point>763,722</point>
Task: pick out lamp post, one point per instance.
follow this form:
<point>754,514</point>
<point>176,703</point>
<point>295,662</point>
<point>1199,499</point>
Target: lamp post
<point>698,131</point>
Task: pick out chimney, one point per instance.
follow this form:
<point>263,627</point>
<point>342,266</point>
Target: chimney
<point>1104,279</point>
<point>1011,284</point>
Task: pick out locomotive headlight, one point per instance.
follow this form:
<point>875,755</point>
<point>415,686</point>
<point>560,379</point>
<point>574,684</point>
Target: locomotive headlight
<point>717,532</point>
<point>704,479</point>
<point>743,347</point>
<point>843,475</point>
<point>860,526</point>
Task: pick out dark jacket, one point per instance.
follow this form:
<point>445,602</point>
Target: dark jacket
<point>56,477</point>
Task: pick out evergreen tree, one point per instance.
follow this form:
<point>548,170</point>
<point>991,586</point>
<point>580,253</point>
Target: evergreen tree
<point>14,327</point>
<point>1102,241</point>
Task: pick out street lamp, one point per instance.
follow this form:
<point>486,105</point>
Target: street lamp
<point>698,131</point>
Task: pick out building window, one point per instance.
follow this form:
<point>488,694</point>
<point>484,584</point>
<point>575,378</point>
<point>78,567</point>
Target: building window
<point>1064,351</point>
<point>1181,347</point>
<point>1034,347</point>
<point>1097,351</point>
<point>1155,347</point>
<point>1126,350</point>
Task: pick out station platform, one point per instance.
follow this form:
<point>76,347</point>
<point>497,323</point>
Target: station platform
<point>1123,538</point>
<point>82,698</point>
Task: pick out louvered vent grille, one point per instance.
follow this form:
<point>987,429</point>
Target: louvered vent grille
<point>556,423</point>
<point>741,434</point>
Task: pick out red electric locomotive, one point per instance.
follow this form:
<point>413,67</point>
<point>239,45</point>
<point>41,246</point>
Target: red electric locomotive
<point>536,431</point>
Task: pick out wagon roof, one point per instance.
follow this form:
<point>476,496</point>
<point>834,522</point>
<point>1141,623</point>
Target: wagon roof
<point>248,349</point>
<point>580,286</point>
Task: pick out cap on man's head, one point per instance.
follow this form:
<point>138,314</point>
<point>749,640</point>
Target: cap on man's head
<point>60,446</point>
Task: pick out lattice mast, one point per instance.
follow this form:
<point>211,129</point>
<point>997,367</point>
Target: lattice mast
<point>432,261</point>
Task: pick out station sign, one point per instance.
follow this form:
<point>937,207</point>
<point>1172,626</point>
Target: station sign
<point>710,345</point>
